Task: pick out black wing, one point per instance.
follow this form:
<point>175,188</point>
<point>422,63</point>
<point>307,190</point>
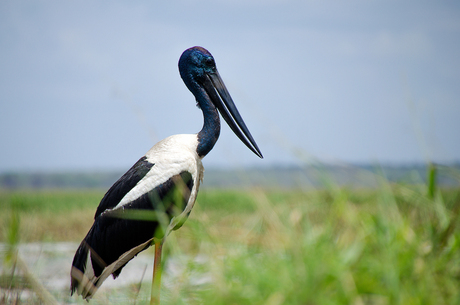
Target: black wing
<point>123,185</point>
<point>113,235</point>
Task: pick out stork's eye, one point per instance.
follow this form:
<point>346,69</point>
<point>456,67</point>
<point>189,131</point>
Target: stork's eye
<point>209,61</point>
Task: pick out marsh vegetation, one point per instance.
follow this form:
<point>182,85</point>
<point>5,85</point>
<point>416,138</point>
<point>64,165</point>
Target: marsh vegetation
<point>391,244</point>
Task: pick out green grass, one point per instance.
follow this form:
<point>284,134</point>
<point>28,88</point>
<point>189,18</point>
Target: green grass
<point>397,244</point>
<point>57,215</point>
<point>390,246</point>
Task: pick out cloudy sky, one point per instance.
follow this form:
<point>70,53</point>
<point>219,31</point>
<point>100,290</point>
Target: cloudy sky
<point>91,85</point>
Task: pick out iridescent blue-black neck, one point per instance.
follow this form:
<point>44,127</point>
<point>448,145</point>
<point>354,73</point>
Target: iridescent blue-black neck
<point>210,132</point>
<point>193,76</point>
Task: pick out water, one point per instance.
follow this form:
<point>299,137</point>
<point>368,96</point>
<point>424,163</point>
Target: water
<point>50,264</point>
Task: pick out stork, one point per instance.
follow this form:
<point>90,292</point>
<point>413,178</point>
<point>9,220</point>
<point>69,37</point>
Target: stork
<point>148,187</point>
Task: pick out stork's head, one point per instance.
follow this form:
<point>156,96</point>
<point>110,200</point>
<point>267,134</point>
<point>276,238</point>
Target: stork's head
<point>199,73</point>
<point>196,62</point>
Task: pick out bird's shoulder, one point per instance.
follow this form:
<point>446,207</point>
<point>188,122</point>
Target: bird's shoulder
<point>178,146</point>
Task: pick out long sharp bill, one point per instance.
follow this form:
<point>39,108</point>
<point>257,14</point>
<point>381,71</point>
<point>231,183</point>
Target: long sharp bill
<point>229,112</point>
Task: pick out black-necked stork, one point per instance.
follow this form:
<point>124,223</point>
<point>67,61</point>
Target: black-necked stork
<point>170,165</point>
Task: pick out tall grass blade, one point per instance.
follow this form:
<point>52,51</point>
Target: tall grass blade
<point>432,173</point>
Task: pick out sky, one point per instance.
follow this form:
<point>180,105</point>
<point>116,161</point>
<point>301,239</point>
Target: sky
<point>92,85</point>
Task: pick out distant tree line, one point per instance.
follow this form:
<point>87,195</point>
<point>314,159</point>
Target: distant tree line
<point>313,176</point>
<point>58,180</point>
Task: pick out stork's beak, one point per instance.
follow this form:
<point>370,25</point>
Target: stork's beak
<point>223,101</point>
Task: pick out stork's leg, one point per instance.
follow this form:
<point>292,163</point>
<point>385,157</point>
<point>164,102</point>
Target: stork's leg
<point>156,280</point>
